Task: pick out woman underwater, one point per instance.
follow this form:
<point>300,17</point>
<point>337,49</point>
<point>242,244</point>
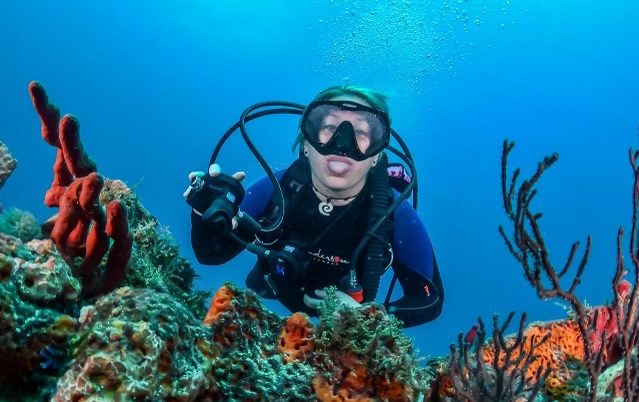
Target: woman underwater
<point>332,196</point>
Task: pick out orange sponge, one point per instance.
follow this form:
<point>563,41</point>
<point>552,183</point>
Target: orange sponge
<point>565,342</point>
<point>220,303</point>
<point>353,382</point>
<point>296,339</point>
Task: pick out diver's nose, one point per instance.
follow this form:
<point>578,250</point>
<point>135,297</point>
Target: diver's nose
<point>345,137</point>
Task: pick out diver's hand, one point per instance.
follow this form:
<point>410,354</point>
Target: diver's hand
<point>342,297</point>
<point>214,170</point>
<point>216,198</point>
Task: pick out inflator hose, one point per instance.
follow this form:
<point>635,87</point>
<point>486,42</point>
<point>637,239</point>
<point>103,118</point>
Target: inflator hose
<point>376,255</point>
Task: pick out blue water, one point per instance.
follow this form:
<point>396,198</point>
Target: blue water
<point>155,84</point>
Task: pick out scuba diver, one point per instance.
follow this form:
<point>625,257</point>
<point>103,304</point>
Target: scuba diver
<point>338,216</point>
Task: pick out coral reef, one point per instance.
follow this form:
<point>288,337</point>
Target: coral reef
<point>250,367</point>
<point>138,344</point>
<point>37,294</point>
<point>82,228</point>
<point>351,355</point>
<point>75,325</point>
<point>44,284</point>
<point>589,356</point>
<point>501,369</point>
<point>99,305</point>
<point>608,334</point>
<point>20,224</point>
<point>155,261</point>
<point>363,354</point>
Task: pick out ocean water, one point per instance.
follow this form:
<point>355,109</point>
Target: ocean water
<point>155,84</point>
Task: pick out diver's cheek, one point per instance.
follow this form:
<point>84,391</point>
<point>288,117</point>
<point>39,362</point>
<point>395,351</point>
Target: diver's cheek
<point>363,143</point>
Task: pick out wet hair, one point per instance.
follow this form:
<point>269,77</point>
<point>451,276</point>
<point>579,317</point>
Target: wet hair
<point>375,98</point>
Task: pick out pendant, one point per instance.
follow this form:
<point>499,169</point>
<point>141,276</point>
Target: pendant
<point>325,208</point>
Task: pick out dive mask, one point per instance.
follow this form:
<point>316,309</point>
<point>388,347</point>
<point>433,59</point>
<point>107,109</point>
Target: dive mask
<point>345,128</point>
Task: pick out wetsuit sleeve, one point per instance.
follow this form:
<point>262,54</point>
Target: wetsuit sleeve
<point>213,248</point>
<point>416,269</point>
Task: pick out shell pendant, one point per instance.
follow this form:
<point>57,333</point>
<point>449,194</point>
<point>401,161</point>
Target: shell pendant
<point>325,208</point>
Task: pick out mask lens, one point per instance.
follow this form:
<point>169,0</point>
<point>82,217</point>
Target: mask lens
<point>321,121</point>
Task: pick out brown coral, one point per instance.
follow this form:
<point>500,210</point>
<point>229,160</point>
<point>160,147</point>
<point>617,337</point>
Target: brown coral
<point>608,333</point>
<point>6,267</point>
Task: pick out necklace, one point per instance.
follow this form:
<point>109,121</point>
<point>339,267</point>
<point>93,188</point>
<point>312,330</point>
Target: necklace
<point>326,207</point>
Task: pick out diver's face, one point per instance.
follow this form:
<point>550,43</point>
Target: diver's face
<point>337,174</point>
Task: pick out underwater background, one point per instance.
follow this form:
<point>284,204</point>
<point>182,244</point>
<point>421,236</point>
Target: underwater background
<point>155,84</point>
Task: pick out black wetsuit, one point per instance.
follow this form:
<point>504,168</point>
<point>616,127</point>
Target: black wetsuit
<point>329,242</point>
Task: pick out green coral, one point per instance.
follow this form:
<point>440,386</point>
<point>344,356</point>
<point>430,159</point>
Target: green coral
<point>247,375</point>
<point>576,385</point>
<point>21,224</point>
<point>370,335</point>
<point>142,344</point>
<point>29,321</point>
<point>250,367</point>
<point>155,261</point>
<point>139,344</point>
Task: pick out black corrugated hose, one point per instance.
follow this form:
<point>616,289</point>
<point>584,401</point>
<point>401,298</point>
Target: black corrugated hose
<point>377,239</point>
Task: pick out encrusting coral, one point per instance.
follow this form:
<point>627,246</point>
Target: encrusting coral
<point>351,355</point>
<point>363,355</point>
<point>140,345</point>
<point>20,224</point>
<point>250,367</point>
<point>37,295</point>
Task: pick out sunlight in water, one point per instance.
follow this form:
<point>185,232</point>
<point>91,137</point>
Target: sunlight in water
<point>410,39</point>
